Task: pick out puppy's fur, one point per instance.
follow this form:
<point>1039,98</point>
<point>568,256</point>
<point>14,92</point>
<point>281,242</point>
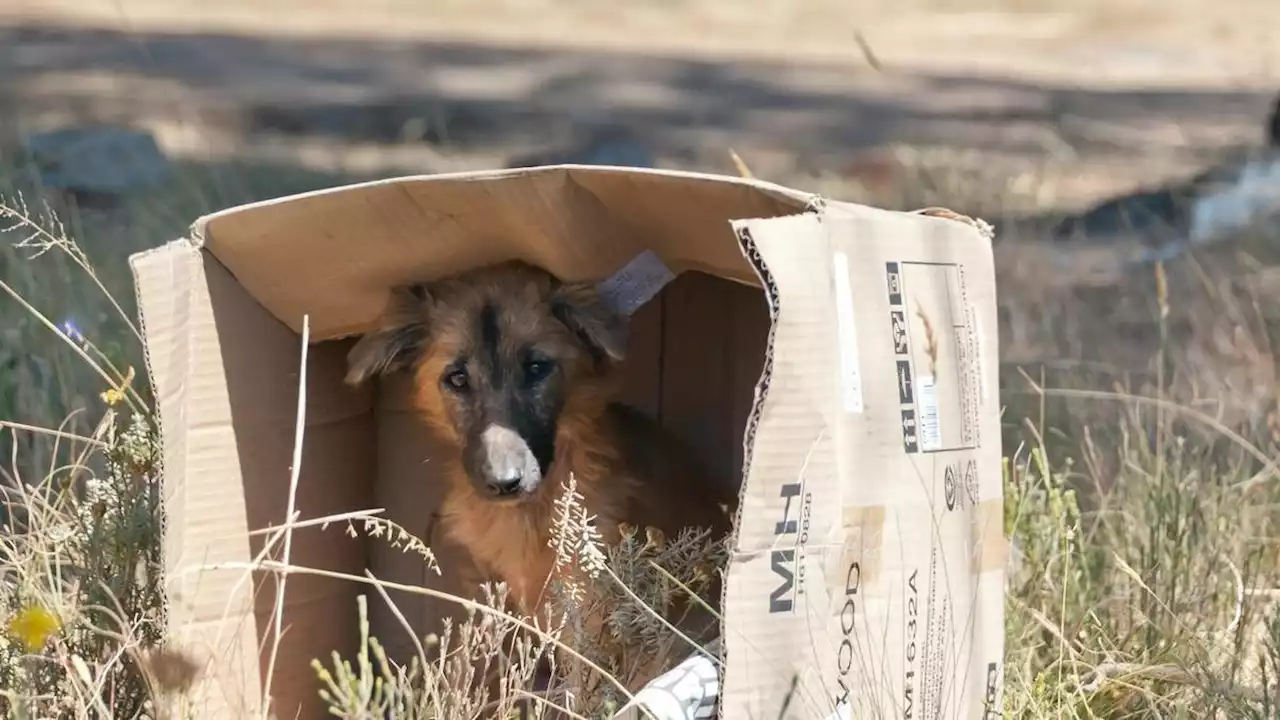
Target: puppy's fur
<point>515,370</point>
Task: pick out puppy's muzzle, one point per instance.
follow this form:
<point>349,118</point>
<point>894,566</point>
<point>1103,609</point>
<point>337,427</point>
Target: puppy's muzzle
<point>509,466</point>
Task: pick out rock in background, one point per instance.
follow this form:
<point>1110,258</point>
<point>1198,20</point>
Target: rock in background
<point>97,160</point>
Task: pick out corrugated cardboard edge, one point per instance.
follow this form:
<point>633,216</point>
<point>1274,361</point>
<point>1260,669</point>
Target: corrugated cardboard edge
<point>771,281</point>
<point>170,412</point>
<point>742,231</point>
<point>769,285</point>
<point>164,420</point>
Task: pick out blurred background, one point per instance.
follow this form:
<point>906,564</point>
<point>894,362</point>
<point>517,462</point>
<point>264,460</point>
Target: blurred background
<point>1126,151</point>
<point>1099,137</point>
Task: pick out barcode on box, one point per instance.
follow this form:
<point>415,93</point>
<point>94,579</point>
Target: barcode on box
<point>930,427</point>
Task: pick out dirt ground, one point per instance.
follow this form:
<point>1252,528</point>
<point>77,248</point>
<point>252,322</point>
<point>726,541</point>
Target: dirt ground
<point>1114,93</point>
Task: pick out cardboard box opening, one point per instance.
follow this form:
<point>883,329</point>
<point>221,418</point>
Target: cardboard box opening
<point>250,274</point>
<point>846,462</point>
<point>694,360</point>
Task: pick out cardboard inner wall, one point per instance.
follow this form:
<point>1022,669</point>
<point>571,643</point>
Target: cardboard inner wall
<point>694,357</point>
<point>260,358</point>
<point>696,353</point>
<point>223,317</point>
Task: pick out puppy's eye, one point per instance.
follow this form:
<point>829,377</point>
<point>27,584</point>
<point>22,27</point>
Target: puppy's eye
<point>535,370</point>
<point>457,379</point>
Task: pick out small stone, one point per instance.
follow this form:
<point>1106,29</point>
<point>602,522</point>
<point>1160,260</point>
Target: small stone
<point>97,159</point>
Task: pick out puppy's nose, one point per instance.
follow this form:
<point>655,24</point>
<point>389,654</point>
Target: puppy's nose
<point>505,486</point>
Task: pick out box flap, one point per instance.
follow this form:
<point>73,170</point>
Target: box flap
<point>867,578</point>
<point>209,614</point>
<point>225,374</point>
<point>333,254</point>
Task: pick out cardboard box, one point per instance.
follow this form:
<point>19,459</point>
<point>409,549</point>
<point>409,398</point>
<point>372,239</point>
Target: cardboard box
<point>839,361</point>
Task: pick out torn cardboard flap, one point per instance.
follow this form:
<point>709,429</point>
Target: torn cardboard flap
<point>907,617</point>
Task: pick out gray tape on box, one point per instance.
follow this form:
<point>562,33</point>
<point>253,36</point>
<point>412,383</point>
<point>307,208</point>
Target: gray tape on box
<point>636,283</point>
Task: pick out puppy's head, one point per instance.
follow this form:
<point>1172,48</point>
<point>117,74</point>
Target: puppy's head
<point>497,354</point>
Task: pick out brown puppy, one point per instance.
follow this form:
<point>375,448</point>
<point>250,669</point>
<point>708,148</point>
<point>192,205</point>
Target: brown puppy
<point>515,369</point>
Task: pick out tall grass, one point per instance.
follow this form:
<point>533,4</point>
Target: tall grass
<point>80,543</point>
<point>1140,428</point>
<point>1144,508</point>
<point>80,571</point>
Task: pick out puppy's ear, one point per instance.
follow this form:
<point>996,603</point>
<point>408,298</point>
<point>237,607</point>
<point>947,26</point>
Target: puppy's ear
<point>580,308</point>
<point>398,339</point>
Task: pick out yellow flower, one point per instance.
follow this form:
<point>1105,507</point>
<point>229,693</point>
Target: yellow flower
<point>33,626</point>
<point>116,394</point>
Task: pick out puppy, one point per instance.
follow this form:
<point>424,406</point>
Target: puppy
<point>516,371</point>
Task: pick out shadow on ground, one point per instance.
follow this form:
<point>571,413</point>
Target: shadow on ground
<point>468,96</point>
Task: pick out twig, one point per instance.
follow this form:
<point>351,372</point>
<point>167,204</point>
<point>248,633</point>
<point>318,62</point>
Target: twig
<point>687,590</point>
<point>271,565</point>
<point>23,218</point>
<point>1093,680</point>
<point>135,404</point>
<point>637,599</point>
<point>1235,621</point>
<point>867,52</point>
<point>404,622</point>
<point>1271,469</point>
<point>741,166</point>
<point>295,472</point>
<point>326,520</point>
<point>554,706</point>
<point>54,433</point>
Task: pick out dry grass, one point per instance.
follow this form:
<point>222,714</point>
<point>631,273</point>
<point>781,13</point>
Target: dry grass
<point>1141,433</point>
<point>80,567</point>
